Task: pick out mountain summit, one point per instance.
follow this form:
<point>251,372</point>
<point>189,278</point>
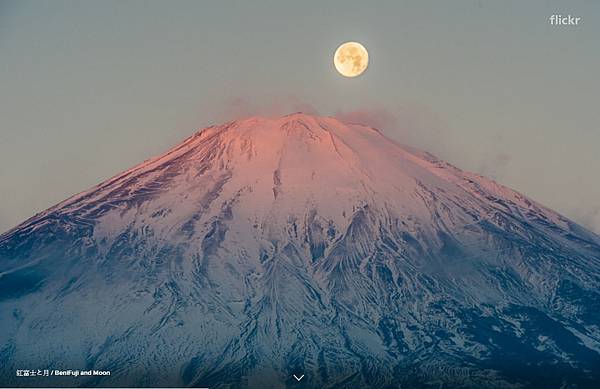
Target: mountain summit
<point>268,247</point>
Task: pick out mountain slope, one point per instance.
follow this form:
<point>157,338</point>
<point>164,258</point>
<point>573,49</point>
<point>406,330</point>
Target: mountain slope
<point>268,247</point>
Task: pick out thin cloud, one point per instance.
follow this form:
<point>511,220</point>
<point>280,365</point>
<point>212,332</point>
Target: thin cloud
<point>378,118</point>
<point>242,107</point>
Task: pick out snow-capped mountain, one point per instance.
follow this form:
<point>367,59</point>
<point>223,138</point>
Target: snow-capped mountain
<point>269,247</point>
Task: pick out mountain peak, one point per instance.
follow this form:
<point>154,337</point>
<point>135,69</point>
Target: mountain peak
<point>302,119</point>
<point>301,164</point>
<point>301,244</point>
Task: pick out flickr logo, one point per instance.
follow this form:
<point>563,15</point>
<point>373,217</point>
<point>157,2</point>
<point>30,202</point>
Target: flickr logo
<point>560,20</point>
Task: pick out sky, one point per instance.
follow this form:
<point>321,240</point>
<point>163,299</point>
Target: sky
<point>91,88</point>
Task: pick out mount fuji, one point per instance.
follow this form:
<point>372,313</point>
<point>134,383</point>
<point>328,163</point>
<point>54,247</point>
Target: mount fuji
<point>267,249</point>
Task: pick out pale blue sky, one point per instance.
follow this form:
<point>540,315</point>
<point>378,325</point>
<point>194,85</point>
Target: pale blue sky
<point>88,89</point>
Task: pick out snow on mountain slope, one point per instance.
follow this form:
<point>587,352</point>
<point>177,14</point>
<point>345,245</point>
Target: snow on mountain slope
<point>267,247</point>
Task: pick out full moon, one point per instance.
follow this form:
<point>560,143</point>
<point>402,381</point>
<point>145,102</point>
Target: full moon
<point>351,59</point>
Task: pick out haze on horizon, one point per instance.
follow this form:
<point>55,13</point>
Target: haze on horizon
<point>89,89</point>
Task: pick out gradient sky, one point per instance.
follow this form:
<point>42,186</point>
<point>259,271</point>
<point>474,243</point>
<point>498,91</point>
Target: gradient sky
<point>88,89</point>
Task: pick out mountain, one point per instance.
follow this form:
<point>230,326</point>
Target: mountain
<point>268,247</point>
